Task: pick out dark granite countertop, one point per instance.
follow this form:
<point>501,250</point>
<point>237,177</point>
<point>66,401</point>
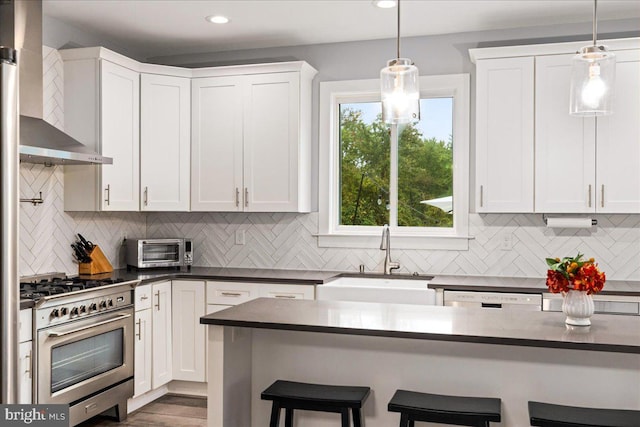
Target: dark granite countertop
<point>302,277</point>
<point>27,303</point>
<point>608,333</point>
<point>520,284</point>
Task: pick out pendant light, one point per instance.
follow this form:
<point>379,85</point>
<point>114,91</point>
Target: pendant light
<point>399,88</point>
<point>592,78</point>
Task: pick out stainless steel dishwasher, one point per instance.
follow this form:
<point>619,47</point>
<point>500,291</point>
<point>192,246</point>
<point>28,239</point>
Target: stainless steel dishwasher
<point>493,300</point>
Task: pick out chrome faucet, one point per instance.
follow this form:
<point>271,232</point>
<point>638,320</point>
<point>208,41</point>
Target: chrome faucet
<point>385,245</point>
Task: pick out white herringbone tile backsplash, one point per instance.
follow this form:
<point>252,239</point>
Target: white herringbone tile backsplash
<point>279,240</point>
<point>287,241</point>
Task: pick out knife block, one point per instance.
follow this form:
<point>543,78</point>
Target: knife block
<point>99,263</point>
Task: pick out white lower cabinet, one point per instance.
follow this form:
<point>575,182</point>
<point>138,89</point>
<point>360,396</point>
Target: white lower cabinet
<point>25,352</point>
<point>142,348</point>
<point>189,337</point>
<point>161,345</point>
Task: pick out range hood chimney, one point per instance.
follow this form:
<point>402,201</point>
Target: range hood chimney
<point>40,142</point>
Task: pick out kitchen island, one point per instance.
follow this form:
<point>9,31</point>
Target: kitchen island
<point>516,356</point>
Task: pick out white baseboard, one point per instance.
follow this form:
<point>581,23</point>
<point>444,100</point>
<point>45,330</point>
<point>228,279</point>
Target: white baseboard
<point>188,388</point>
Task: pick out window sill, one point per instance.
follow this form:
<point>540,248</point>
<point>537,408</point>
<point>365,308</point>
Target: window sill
<point>369,241</point>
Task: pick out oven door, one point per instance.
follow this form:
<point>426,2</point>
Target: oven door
<point>84,357</point>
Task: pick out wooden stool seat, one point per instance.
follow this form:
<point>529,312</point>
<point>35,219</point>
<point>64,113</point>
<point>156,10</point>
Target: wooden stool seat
<point>436,408</point>
<point>291,395</point>
<point>549,415</point>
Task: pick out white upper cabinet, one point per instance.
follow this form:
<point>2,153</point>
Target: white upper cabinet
<point>582,165</point>
<point>504,135</point>
<point>165,131</point>
<point>251,138</point>
<point>216,152</point>
<point>102,110</point>
<point>618,136</point>
<point>565,145</point>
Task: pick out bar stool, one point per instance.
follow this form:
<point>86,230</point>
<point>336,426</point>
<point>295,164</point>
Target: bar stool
<point>437,408</point>
<point>549,415</point>
<point>291,395</point>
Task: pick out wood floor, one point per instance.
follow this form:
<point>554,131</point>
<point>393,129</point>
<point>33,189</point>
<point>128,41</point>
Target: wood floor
<point>168,411</point>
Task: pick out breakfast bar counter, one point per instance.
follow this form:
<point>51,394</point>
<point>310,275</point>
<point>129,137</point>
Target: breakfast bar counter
<point>514,355</point>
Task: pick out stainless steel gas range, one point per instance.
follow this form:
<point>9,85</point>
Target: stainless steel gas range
<point>83,343</point>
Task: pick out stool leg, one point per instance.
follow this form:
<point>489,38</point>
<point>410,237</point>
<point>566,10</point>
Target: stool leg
<point>357,417</point>
<point>404,420</point>
<point>345,417</point>
<point>275,414</point>
<point>288,417</point>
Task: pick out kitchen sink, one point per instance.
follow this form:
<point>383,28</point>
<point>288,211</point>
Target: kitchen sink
<point>378,288</point>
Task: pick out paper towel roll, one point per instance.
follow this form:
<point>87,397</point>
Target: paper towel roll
<point>569,222</point>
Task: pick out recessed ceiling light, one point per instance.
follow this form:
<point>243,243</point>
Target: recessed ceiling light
<point>384,4</point>
<point>217,19</point>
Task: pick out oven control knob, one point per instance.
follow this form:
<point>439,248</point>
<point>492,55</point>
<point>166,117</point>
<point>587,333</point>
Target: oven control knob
<point>55,313</point>
<point>103,304</point>
<point>110,302</point>
<point>93,306</point>
<point>64,311</point>
<point>83,309</point>
<point>74,311</point>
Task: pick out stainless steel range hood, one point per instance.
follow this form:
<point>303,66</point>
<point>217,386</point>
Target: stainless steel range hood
<point>40,142</point>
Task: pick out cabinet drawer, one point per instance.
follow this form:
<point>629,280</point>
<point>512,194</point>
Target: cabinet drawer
<point>274,290</point>
<point>24,325</point>
<point>231,293</point>
<point>143,297</point>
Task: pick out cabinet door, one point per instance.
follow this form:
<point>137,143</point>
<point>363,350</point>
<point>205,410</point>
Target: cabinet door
<point>271,137</point>
<point>564,144</point>
<point>618,141</point>
<point>504,135</point>
<point>216,156</point>
<point>25,369</point>
<point>161,331</point>
<point>189,338</point>
<point>120,137</point>
<point>143,361</point>
<point>165,141</point>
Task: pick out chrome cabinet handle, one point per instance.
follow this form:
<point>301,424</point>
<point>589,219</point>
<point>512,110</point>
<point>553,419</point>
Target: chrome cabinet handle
<point>589,195</point>
<point>246,196</point>
<point>146,196</point>
<point>481,195</point>
<point>144,297</point>
<point>285,296</point>
<point>602,196</point>
<point>28,370</point>
<point>139,334</point>
<point>107,192</point>
<point>84,328</point>
<point>158,304</point>
<point>237,197</point>
<point>230,294</point>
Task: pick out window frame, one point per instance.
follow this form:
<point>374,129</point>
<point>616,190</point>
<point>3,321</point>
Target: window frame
<point>330,232</point>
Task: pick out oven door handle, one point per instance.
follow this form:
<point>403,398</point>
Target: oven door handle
<point>84,328</point>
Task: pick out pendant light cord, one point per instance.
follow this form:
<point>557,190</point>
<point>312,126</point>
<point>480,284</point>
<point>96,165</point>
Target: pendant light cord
<point>595,19</point>
<point>398,39</point>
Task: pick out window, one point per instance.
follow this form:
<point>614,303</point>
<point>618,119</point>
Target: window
<point>414,178</point>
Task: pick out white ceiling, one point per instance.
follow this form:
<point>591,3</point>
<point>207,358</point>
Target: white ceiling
<point>167,27</point>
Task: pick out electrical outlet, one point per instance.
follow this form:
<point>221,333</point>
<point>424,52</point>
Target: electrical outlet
<point>239,237</point>
<point>506,242</point>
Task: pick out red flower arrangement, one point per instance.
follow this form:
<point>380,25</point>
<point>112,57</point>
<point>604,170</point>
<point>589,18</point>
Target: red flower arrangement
<point>574,273</point>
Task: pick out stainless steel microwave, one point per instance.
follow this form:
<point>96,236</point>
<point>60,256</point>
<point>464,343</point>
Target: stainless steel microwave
<point>153,253</point>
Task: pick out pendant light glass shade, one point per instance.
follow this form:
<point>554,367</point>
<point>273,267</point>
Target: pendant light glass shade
<point>592,82</point>
<point>593,74</point>
<point>399,88</point>
<point>400,92</point>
